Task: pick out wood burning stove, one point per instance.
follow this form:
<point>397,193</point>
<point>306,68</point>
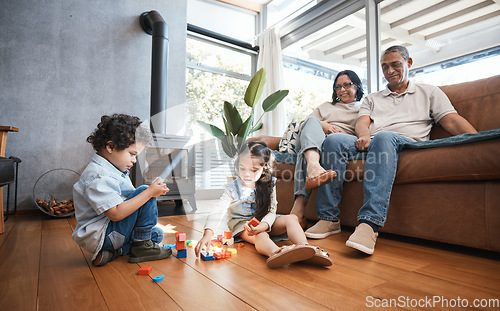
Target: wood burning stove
<point>171,158</point>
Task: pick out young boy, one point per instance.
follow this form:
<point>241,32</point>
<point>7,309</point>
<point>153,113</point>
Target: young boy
<point>113,217</point>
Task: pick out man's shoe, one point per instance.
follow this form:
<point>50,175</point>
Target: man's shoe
<point>103,257</point>
<point>323,228</point>
<point>363,239</point>
<point>147,251</point>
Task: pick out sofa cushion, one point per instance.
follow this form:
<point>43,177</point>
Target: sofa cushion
<point>289,139</point>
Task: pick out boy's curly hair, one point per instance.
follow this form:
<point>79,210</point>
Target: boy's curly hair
<point>121,130</point>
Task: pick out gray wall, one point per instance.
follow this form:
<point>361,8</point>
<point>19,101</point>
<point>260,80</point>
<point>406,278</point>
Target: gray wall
<point>65,63</point>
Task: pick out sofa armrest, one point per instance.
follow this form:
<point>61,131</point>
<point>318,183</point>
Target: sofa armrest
<point>272,142</point>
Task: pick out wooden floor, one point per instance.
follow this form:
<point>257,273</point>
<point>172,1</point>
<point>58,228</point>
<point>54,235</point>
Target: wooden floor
<point>41,268</point>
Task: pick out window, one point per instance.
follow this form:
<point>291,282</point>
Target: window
<point>216,72</point>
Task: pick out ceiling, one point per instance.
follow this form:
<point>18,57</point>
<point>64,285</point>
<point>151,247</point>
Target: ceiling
<point>433,30</point>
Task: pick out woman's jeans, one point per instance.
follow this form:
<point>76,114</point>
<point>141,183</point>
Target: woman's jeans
<point>311,136</point>
<point>139,225</point>
<point>381,163</point>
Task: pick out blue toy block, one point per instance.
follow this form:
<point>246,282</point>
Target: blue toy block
<point>159,278</point>
<point>181,253</point>
<point>206,257</point>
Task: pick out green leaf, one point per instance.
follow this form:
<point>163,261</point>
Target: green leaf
<point>256,128</point>
<point>212,129</point>
<point>228,146</point>
<point>232,118</point>
<point>273,100</point>
<point>255,87</point>
<point>244,130</point>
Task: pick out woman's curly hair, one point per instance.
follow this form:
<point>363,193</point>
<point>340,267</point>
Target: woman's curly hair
<point>119,130</point>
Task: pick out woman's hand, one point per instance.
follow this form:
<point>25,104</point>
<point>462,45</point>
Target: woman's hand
<point>205,241</point>
<point>329,129</point>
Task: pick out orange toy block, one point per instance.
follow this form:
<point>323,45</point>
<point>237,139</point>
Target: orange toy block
<point>180,245</point>
<point>146,270</point>
<point>253,222</point>
<point>228,235</point>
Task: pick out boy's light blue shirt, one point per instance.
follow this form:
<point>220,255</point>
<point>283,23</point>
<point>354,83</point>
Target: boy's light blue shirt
<point>100,187</point>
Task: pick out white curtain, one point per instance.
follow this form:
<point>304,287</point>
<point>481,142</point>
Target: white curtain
<point>274,122</point>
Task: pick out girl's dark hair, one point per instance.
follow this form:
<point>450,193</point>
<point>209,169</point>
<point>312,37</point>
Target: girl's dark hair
<point>121,130</point>
<point>355,79</point>
<point>264,186</point>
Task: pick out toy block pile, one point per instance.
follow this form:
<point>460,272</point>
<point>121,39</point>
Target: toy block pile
<point>216,250</point>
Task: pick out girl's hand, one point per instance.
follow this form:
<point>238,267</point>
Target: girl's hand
<point>251,230</point>
<point>205,241</point>
<point>157,189</point>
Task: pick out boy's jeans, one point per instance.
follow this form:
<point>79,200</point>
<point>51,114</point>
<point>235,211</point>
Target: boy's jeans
<point>380,170</point>
<point>142,221</point>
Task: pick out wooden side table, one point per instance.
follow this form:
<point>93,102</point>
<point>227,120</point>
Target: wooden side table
<point>4,130</point>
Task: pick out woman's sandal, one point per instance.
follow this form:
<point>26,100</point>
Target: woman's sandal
<point>320,258</point>
<point>290,253</point>
<point>320,180</point>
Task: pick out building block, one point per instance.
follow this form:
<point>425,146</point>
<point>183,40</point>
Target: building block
<point>180,245</point>
<point>146,270</point>
<point>228,235</point>
<point>228,241</point>
<point>241,244</point>
<point>253,222</point>
<point>169,245</point>
<point>180,236</point>
<point>181,253</point>
<point>159,278</point>
<point>233,251</point>
<point>206,256</point>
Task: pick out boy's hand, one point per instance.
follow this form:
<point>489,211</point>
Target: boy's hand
<point>251,230</point>
<point>205,241</point>
<point>157,189</point>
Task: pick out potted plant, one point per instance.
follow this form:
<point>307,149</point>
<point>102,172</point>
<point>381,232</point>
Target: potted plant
<point>236,130</point>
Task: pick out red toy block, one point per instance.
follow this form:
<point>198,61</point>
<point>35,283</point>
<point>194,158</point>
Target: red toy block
<point>180,236</point>
<point>180,245</point>
<point>228,235</point>
<point>146,270</point>
<point>253,222</point>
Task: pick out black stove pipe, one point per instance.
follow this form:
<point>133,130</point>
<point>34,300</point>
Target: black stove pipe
<point>152,23</point>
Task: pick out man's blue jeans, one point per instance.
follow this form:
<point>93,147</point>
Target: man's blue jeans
<point>139,225</point>
<point>380,170</point>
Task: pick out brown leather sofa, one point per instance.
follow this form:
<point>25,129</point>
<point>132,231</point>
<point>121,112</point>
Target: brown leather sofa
<point>449,194</point>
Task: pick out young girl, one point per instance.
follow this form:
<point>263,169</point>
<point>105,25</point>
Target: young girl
<point>113,217</point>
<point>253,194</point>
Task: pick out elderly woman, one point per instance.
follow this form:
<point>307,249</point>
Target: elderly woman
<point>337,116</point>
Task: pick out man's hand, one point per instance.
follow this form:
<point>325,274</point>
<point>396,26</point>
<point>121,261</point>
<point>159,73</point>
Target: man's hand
<point>363,133</point>
<point>362,143</point>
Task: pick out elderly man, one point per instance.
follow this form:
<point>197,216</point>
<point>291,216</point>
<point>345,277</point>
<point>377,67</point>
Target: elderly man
<point>404,112</point>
